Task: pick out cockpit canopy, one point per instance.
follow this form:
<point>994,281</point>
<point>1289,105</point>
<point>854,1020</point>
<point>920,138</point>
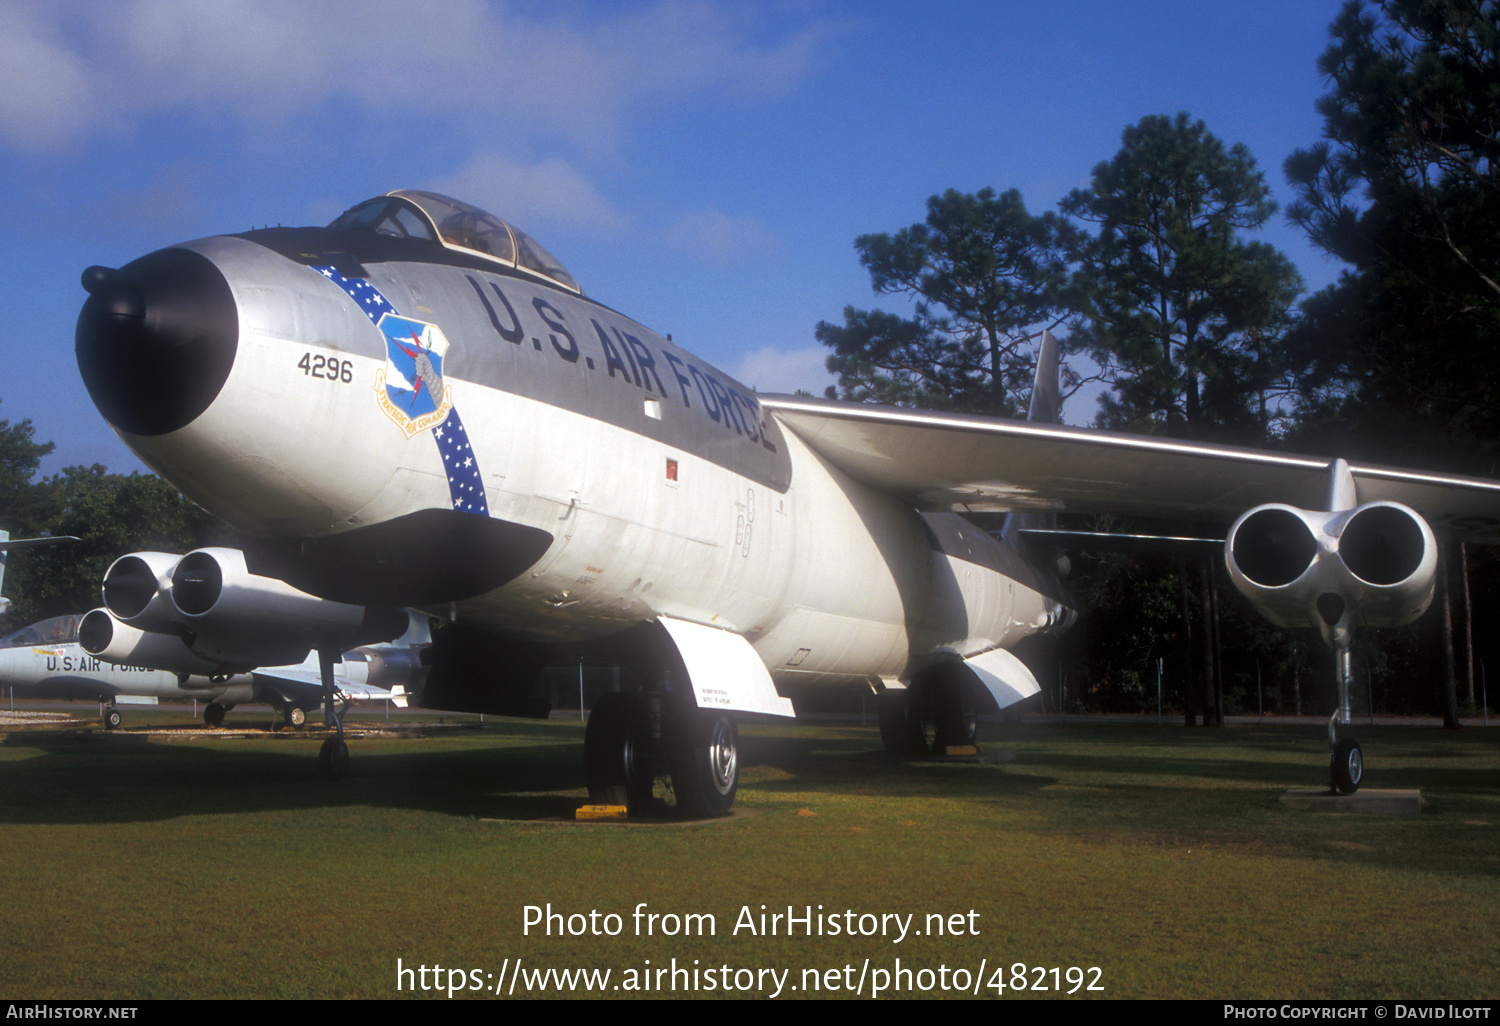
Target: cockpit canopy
<point>411,213</point>
<point>60,630</point>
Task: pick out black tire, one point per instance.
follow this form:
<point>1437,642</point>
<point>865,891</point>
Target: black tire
<point>333,760</point>
<point>112,719</point>
<point>1347,767</point>
<point>903,730</point>
<point>213,714</point>
<point>618,763</point>
<point>704,755</point>
<point>952,712</point>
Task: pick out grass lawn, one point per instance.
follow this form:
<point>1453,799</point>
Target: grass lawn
<point>1160,855</point>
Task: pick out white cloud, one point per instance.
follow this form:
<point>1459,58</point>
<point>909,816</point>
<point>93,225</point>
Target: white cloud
<point>45,95</point>
<point>715,237</point>
<point>74,70</point>
<point>533,196</point>
<point>784,370</point>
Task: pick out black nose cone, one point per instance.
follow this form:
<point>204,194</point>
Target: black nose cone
<point>156,340</point>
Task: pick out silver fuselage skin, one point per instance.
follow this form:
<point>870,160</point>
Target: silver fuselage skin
<point>659,486</point>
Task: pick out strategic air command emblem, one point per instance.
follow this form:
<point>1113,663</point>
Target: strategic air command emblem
<point>410,387</point>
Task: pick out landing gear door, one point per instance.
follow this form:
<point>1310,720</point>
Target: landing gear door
<point>1003,676</point>
<point>724,671</point>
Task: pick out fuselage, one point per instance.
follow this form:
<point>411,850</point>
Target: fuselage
<point>45,661</point>
<point>497,448</point>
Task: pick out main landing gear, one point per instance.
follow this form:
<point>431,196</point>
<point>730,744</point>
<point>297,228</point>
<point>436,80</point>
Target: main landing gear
<point>928,718</point>
<point>292,717</point>
<point>213,714</point>
<point>656,754</point>
<point>112,718</point>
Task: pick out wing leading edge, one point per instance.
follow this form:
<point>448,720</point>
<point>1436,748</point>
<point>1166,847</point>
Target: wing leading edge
<point>950,461</point>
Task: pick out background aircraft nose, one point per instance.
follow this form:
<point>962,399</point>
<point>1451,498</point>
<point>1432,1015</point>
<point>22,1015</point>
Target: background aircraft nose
<point>156,340</point>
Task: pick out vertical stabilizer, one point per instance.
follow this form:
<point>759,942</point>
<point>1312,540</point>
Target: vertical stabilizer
<point>4,602</point>
<point>6,545</point>
<point>1046,389</point>
<point>1045,408</point>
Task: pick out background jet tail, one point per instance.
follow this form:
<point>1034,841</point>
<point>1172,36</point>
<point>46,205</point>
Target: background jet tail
<point>417,632</point>
<point>21,543</point>
<point>1046,388</point>
<point>1045,408</point>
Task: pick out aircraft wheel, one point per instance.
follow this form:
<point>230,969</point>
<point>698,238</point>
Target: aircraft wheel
<point>333,759</point>
<point>705,761</point>
<point>1347,766</point>
<point>903,730</point>
<point>112,719</point>
<point>295,717</point>
<point>213,714</point>
<point>952,710</point>
<point>617,758</point>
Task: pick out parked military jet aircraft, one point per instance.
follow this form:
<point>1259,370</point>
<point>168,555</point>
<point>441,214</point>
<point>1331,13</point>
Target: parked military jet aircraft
<point>45,660</point>
<point>418,405</point>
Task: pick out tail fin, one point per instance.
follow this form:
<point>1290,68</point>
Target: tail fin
<point>417,632</point>
<point>1046,408</point>
<point>1046,389</point>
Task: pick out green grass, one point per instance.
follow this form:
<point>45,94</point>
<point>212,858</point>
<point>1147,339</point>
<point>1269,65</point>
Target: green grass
<point>226,868</point>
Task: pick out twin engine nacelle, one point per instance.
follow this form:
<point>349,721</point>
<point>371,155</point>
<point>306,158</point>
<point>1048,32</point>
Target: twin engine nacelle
<point>205,613</point>
<point>1374,565</point>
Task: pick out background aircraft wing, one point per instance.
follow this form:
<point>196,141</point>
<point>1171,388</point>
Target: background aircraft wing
<point>963,462</point>
<point>303,687</point>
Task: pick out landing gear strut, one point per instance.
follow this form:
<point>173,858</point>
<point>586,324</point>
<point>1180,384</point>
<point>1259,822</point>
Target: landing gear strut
<point>333,756</point>
<point>1346,765</point>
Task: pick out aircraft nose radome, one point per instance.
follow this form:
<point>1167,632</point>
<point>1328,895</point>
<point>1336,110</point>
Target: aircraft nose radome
<point>156,340</point>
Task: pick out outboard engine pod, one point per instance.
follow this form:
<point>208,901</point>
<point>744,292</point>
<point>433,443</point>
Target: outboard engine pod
<point>1374,565</point>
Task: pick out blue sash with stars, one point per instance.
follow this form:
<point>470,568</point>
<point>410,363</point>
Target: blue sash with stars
<point>465,485</point>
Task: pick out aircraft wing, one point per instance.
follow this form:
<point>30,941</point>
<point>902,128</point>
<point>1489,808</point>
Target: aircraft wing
<point>7,544</point>
<point>963,462</point>
<point>303,687</point>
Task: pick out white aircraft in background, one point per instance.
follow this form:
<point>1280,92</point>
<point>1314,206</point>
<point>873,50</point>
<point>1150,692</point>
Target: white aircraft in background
<point>418,406</point>
<point>45,660</point>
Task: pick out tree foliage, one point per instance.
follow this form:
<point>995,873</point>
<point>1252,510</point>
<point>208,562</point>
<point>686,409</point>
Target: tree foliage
<point>1404,189</point>
<point>22,507</point>
<point>111,514</point>
<point>983,274</point>
<point>1183,315</point>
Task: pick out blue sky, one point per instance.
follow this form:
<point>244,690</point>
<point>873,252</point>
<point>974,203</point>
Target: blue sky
<point>701,166</point>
